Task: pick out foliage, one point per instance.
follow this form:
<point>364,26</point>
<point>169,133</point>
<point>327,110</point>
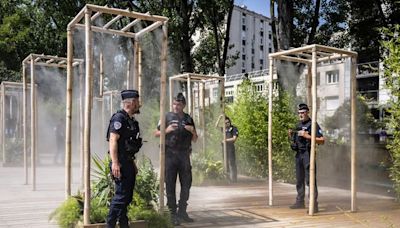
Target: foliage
<point>14,149</point>
<point>102,186</point>
<point>249,113</point>
<point>155,220</point>
<point>146,186</point>
<point>342,117</point>
<point>68,213</point>
<point>207,168</point>
<point>391,60</point>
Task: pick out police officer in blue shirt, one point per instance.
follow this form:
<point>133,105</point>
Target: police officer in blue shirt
<point>180,132</point>
<point>231,134</point>
<point>124,142</point>
<point>301,143</point>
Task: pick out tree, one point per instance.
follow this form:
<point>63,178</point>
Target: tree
<point>391,62</point>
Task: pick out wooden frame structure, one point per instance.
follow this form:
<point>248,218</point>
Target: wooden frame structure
<point>312,55</point>
<point>36,60</point>
<point>5,85</point>
<point>84,20</point>
<point>201,79</point>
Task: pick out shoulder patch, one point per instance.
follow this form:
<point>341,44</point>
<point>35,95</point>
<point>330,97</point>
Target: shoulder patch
<point>117,125</point>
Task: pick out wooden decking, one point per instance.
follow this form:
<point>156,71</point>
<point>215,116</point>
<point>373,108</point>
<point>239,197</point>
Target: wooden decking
<point>242,204</point>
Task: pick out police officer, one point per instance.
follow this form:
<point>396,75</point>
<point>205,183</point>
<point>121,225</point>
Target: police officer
<point>231,134</point>
<point>180,132</point>
<point>124,141</point>
<point>302,145</point>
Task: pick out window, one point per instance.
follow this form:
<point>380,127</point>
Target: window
<point>262,47</point>
<point>270,36</point>
<point>252,51</point>
<point>261,61</point>
<point>215,92</point>
<point>259,87</point>
<point>252,66</point>
<point>332,77</point>
<point>261,33</point>
<point>244,27</point>
<point>243,50</point>
<point>243,42</point>
<point>243,65</point>
<point>269,50</point>
<point>243,70</point>
<point>243,57</point>
<point>332,103</point>
<point>262,21</point>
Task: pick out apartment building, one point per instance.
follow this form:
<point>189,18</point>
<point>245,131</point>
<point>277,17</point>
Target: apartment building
<point>251,35</point>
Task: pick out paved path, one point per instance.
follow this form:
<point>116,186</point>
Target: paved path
<point>243,204</point>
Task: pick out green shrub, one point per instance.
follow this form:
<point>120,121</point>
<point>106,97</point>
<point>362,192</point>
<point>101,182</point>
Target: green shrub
<point>154,219</point>
<point>68,213</point>
<point>391,47</point>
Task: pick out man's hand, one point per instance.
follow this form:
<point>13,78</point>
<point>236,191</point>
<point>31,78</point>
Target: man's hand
<point>190,128</point>
<point>116,170</point>
<point>303,134</point>
<point>171,127</point>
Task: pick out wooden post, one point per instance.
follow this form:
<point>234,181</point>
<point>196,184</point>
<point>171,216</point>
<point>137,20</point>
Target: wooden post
<point>136,63</point>
<point>313,130</point>
<point>309,81</point>
<point>128,74</point>
<point>81,125</point>
<point>353,135</point>
<point>88,112</point>
<point>222,104</point>
<point>270,81</point>
<point>24,121</point>
<point>202,116</point>
<point>101,83</point>
<point>68,114</point>
<point>33,125</point>
<point>140,86</point>
<point>171,92</point>
<point>3,122</point>
<point>163,90</point>
<point>188,96</point>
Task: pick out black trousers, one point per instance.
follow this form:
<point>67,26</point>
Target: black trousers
<point>123,195</point>
<point>177,163</point>
<point>232,168</point>
<point>303,175</point>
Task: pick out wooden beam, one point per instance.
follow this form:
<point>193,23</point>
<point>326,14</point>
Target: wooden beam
<point>108,31</point>
<point>126,13</point>
<point>149,28</point>
<point>293,59</point>
<point>112,21</point>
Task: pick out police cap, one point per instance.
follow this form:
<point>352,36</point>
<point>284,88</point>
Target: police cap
<point>180,98</point>
<point>303,106</point>
<point>130,93</point>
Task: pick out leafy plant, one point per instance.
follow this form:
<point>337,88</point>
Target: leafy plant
<point>102,186</point>
<point>391,74</point>
<point>155,219</point>
<point>146,187</point>
<point>68,213</point>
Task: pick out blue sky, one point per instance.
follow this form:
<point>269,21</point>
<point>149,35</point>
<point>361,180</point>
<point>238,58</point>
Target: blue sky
<point>258,6</point>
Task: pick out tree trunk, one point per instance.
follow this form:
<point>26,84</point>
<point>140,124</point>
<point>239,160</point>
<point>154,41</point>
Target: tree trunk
<point>315,22</point>
<point>273,25</point>
<point>285,22</point>
<point>187,63</point>
<point>226,40</point>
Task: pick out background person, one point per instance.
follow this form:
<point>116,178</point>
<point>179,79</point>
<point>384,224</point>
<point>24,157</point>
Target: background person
<point>302,145</point>
<point>124,142</point>
<point>180,132</point>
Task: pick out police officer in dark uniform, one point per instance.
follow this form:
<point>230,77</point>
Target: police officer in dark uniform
<point>231,134</point>
<point>124,142</point>
<point>301,143</point>
<point>180,132</point>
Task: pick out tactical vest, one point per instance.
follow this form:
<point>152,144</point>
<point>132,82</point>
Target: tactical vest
<point>179,139</point>
<point>130,140</point>
<point>302,143</point>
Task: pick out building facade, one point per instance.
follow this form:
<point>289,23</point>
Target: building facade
<point>251,37</point>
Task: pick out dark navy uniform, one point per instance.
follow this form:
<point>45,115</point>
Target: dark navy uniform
<point>230,149</point>
<point>303,148</point>
<point>178,146</point>
<point>129,143</point>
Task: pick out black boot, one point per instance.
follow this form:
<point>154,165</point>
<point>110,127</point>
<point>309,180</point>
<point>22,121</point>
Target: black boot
<point>175,219</point>
<point>298,205</point>
<point>183,214</point>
